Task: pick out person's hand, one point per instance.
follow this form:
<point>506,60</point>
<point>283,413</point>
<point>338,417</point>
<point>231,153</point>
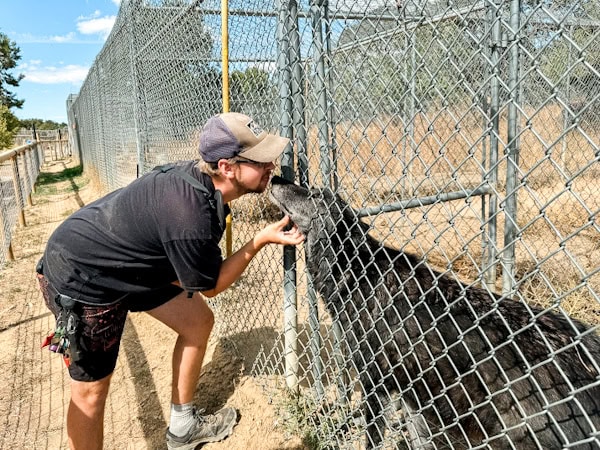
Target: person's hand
<point>275,233</point>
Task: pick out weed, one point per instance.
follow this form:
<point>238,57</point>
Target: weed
<point>69,180</point>
<point>45,178</point>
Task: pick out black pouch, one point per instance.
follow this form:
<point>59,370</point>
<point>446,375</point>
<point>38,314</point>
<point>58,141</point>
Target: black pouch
<point>39,267</point>
<point>67,323</point>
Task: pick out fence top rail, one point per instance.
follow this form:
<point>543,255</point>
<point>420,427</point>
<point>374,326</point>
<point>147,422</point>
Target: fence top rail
<point>9,154</point>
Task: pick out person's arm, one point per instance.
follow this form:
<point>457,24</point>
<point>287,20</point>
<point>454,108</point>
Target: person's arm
<point>233,267</point>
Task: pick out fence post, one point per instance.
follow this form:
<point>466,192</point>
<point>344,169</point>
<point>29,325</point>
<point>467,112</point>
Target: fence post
<point>512,161</point>
<point>5,235</point>
<point>35,153</point>
<point>28,181</point>
<point>17,188</point>
<point>490,244</point>
<point>297,92</point>
<point>290,302</point>
<point>60,144</point>
<point>321,88</point>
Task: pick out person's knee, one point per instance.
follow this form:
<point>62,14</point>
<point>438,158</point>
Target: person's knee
<point>90,395</point>
<point>202,326</point>
<point>209,319</point>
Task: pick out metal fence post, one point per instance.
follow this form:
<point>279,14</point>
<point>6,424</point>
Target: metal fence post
<point>290,301</point>
<point>493,111</point>
<point>512,161</point>
<point>297,92</point>
<point>321,89</point>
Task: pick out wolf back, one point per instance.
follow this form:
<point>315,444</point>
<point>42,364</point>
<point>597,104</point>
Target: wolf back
<point>468,365</point>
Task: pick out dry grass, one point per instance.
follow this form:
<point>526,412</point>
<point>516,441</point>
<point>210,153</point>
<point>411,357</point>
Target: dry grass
<point>558,198</point>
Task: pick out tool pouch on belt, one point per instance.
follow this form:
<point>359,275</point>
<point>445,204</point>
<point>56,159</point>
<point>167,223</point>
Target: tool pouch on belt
<point>65,338</point>
<point>70,314</point>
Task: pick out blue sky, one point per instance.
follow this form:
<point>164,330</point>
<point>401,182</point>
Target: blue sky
<point>59,40</point>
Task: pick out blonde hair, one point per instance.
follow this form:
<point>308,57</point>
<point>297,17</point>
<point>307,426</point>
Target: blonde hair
<point>212,168</point>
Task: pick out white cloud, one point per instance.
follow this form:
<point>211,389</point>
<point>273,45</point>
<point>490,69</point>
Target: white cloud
<point>69,37</point>
<point>70,73</point>
<point>95,24</point>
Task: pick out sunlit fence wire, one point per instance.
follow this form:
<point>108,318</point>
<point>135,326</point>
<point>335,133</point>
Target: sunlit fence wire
<point>465,132</point>
<point>19,169</point>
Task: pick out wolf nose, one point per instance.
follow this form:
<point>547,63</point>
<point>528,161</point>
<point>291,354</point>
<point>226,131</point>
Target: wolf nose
<point>279,180</point>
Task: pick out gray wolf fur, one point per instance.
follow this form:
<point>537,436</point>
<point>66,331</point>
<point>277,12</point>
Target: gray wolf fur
<point>471,368</point>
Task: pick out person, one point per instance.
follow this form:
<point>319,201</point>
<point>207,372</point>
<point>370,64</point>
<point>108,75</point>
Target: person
<point>153,246</point>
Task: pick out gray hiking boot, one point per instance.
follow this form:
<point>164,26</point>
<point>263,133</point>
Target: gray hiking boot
<point>208,428</point>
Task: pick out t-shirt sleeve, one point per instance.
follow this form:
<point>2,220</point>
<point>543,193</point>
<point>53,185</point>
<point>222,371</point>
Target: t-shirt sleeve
<point>197,262</point>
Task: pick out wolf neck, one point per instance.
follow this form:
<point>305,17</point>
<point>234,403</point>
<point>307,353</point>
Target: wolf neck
<point>338,262</point>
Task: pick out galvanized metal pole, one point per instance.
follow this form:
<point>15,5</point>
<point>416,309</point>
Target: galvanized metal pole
<point>138,97</point>
<point>316,15</point>
<point>512,160</point>
<point>321,89</point>
<point>490,245</point>
<point>290,306</point>
<point>225,103</point>
<point>297,91</point>
<point>567,96</point>
<point>333,149</point>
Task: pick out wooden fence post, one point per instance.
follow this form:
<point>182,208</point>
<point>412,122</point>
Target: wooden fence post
<point>18,193</point>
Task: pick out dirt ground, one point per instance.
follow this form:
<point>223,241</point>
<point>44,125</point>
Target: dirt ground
<point>34,389</point>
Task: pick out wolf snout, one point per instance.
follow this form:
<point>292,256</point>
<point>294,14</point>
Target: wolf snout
<point>279,180</point>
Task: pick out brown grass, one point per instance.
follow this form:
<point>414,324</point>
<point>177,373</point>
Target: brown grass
<point>558,198</point>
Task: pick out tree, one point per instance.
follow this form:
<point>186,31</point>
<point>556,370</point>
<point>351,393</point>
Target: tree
<point>9,56</point>
<point>9,125</point>
<point>40,124</point>
<point>253,92</point>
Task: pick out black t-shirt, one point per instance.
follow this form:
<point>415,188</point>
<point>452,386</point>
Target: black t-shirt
<point>139,238</point>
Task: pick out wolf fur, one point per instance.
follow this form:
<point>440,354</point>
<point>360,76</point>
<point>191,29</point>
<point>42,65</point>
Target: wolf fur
<point>471,368</point>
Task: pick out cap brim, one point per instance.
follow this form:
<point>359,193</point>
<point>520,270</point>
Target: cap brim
<point>266,150</point>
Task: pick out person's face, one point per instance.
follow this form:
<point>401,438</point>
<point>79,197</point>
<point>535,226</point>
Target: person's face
<point>253,176</point>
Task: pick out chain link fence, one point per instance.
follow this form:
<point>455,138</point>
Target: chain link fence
<point>464,132</point>
<point>19,168</point>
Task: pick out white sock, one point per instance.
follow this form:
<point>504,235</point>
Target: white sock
<point>182,418</point>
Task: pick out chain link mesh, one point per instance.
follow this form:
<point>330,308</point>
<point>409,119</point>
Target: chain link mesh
<point>19,169</point>
<point>465,132</point>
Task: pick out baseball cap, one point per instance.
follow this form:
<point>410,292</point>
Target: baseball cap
<point>233,134</point>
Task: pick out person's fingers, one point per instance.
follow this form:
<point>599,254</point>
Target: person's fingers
<point>281,224</point>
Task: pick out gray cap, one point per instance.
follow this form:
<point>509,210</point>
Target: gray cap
<point>232,134</point>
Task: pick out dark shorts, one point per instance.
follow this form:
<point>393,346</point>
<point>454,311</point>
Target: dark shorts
<point>101,327</point>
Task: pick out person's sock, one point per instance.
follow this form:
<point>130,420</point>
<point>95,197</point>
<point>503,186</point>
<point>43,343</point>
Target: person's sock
<point>182,419</point>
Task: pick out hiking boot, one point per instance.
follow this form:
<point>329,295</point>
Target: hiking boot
<point>208,428</point>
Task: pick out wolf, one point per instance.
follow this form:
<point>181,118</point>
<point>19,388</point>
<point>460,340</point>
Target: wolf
<point>470,368</point>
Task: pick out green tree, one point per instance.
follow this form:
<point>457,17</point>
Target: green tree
<point>9,125</point>
<point>253,92</point>
<point>40,124</point>
<point>9,56</point>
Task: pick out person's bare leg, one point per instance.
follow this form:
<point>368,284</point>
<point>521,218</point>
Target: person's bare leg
<point>85,416</point>
<point>193,321</point>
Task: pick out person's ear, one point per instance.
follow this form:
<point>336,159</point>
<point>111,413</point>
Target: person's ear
<point>226,168</point>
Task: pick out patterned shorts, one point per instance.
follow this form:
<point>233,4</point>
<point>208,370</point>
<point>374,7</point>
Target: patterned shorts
<point>98,333</point>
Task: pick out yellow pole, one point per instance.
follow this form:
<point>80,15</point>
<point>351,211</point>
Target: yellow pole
<point>225,70</point>
<point>225,53</point>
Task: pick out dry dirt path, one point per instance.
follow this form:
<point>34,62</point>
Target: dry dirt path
<point>34,390</point>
